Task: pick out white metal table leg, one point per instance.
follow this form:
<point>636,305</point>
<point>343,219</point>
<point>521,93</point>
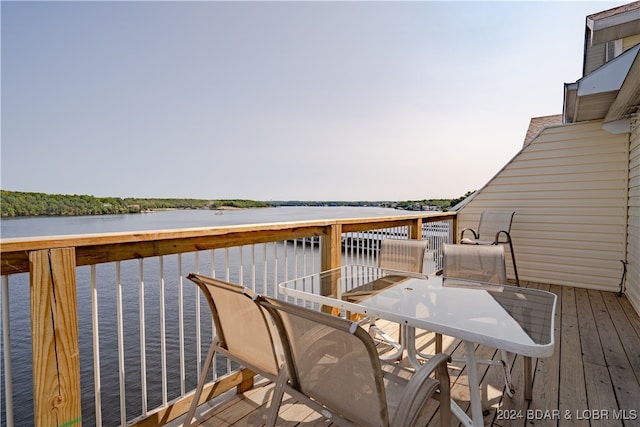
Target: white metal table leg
<point>474,385</point>
<point>409,337</point>
<point>477,421</point>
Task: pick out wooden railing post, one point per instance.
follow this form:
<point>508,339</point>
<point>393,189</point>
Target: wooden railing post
<point>54,327</point>
<point>330,258</point>
<point>331,248</point>
<point>415,230</point>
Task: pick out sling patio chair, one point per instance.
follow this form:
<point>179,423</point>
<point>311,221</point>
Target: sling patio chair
<point>404,255</point>
<point>242,333</point>
<point>482,268</point>
<point>333,363</point>
<point>476,264</point>
<point>494,228</point>
<point>470,266</point>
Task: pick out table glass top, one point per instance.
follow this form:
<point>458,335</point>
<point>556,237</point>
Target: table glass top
<point>503,316</point>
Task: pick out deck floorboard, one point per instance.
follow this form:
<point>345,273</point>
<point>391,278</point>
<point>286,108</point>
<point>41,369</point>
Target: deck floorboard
<point>593,378</point>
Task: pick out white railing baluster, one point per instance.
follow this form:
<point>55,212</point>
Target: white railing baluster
<point>304,256</point>
<point>213,262</point>
<point>181,326</point>
<point>198,331</point>
<point>213,325</point>
<point>240,267</point>
<point>120,326</point>
<point>367,246</point>
<point>226,264</point>
<point>286,259</point>
<point>264,269</point>
<point>143,338</point>
<point>227,278</point>
<point>253,268</point>
<point>275,267</point>
<point>297,249</point>
<point>312,255</point>
<point>96,347</point>
<point>6,347</point>
<point>163,335</point>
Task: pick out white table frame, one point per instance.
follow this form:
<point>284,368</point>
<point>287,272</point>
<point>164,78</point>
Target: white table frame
<point>471,331</point>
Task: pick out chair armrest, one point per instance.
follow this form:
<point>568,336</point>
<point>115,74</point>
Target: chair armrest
<point>475,235</point>
<point>422,386</point>
<point>497,240</point>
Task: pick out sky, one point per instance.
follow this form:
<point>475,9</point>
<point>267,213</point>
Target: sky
<point>295,100</point>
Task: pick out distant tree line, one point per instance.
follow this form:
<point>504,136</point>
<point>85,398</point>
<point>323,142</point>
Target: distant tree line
<point>327,203</point>
<point>16,204</point>
<point>426,204</point>
<point>454,202</point>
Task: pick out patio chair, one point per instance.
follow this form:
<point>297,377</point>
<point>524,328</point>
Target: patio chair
<point>482,267</point>
<point>494,228</point>
<point>333,365</point>
<point>484,264</point>
<point>471,264</point>
<point>242,333</point>
<point>403,254</point>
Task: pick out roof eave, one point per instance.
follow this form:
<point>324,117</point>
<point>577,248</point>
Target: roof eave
<point>615,26</point>
<point>602,84</point>
<point>627,103</point>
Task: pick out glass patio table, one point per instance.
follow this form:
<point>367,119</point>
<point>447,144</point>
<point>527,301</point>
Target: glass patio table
<point>512,319</point>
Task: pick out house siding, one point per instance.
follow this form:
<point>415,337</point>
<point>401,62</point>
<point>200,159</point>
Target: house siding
<point>593,59</point>
<point>596,54</point>
<point>629,42</point>
<point>633,244</point>
<point>569,190</point>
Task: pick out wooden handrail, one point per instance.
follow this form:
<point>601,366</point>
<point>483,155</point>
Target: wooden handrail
<point>110,247</point>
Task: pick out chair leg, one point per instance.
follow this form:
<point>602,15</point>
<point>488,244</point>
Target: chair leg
<point>201,381</point>
<point>513,259</point>
<point>276,400</point>
<point>444,388</point>
<point>506,365</point>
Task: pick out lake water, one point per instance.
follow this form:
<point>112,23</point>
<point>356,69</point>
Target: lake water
<point>106,289</point>
<point>170,219</point>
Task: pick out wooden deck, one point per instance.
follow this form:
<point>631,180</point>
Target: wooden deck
<point>593,378</point>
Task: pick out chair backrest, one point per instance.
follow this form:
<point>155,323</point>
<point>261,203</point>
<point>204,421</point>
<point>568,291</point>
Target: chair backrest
<point>331,360</point>
<point>242,327</point>
<point>492,223</point>
<point>402,254</point>
<point>481,263</point>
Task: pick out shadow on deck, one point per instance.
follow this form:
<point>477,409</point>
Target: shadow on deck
<point>593,378</point>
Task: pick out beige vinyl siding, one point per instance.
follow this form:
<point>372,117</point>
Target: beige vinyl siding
<point>595,55</point>
<point>629,42</point>
<point>633,245</point>
<point>569,190</point>
<point>594,58</point>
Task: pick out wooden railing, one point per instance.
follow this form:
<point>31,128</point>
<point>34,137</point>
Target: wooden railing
<point>52,262</point>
